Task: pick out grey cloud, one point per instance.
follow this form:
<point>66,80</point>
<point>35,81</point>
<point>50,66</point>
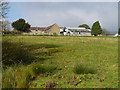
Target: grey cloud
<point>63,0</point>
<point>70,14</point>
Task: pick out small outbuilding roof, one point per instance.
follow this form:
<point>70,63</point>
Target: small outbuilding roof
<point>77,28</point>
<point>82,29</point>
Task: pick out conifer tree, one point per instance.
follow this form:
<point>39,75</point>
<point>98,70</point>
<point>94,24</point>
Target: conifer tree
<point>96,29</point>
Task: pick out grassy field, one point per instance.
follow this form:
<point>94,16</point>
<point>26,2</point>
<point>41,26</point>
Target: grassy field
<point>65,62</point>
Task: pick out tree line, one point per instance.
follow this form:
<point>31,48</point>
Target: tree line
<point>22,25</point>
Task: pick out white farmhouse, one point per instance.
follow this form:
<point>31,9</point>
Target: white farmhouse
<point>75,31</point>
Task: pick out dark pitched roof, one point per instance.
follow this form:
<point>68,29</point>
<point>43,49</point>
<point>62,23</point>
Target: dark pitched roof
<point>37,28</point>
<point>41,28</point>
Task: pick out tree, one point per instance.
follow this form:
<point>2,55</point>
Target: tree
<point>6,25</point>
<point>21,25</point>
<point>3,14</point>
<point>3,9</point>
<point>105,32</point>
<point>119,31</point>
<point>84,25</point>
<point>96,29</point>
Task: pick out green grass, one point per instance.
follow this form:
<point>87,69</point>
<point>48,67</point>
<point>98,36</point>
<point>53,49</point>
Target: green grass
<point>83,68</point>
<point>58,62</point>
<point>20,76</point>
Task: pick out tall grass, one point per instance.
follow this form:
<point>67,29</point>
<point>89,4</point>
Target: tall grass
<point>16,77</point>
<point>21,76</point>
<point>82,68</point>
<point>37,68</point>
<point>15,53</point>
<point>20,53</point>
<point>20,64</point>
<point>99,52</point>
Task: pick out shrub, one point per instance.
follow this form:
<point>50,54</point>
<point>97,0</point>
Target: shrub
<point>82,68</point>
<point>12,32</point>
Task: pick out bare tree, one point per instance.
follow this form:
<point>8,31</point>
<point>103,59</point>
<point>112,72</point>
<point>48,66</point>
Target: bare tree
<point>7,25</point>
<point>3,14</point>
<point>3,9</point>
<point>105,32</point>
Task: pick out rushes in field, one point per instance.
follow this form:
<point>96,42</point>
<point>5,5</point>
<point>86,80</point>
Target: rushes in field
<point>15,53</point>
<point>81,68</point>
<point>20,76</point>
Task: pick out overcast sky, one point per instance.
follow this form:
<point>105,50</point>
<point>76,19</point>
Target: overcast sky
<point>70,14</point>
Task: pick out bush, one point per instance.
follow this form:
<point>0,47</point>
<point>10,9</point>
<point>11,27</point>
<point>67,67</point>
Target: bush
<point>82,68</point>
<point>12,32</point>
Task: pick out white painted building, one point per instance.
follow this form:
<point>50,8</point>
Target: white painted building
<point>75,31</point>
<point>116,35</point>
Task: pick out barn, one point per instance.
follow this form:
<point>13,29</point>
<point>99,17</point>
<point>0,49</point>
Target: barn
<point>50,30</point>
